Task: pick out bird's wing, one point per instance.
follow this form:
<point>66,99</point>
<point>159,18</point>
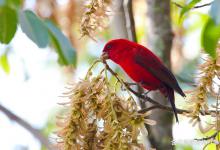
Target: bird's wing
<point>154,66</point>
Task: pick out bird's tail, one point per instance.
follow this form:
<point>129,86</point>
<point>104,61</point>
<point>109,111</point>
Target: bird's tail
<point>171,98</point>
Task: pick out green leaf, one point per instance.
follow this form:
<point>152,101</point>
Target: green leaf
<point>34,28</point>
<point>4,63</point>
<point>15,4</point>
<point>67,54</point>
<point>215,11</point>
<point>8,24</point>
<point>210,36</point>
<point>187,7</point>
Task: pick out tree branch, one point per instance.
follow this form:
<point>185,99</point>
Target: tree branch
<point>167,108</point>
<point>130,24</point>
<point>156,105</point>
<point>199,6</point>
<point>35,132</point>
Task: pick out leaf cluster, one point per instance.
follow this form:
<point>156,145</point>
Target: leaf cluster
<point>211,30</point>
<point>41,32</point>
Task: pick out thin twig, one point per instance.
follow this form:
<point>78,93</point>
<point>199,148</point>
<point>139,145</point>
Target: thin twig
<point>208,138</point>
<point>35,132</point>
<point>127,85</point>
<point>199,6</point>
<point>217,114</point>
<point>167,108</point>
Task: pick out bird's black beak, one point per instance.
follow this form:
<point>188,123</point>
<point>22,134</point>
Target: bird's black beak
<point>104,56</point>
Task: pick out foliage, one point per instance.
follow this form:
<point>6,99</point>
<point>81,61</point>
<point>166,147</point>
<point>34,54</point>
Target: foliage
<point>4,62</point>
<point>62,45</point>
<point>210,37</point>
<point>31,25</point>
<point>211,32</point>
<point>38,30</point>
<point>8,24</point>
<point>188,7</point>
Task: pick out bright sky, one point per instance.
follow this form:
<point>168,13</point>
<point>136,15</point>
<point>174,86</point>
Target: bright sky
<point>32,95</point>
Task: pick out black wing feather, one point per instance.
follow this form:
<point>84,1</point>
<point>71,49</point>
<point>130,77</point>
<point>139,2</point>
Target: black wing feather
<point>153,66</point>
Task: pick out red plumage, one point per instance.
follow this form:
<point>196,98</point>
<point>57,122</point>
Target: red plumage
<point>143,67</point>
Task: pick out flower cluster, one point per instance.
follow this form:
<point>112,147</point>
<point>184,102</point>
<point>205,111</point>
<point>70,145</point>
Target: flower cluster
<point>95,17</point>
<point>99,119</point>
<point>205,84</point>
<point>208,84</point>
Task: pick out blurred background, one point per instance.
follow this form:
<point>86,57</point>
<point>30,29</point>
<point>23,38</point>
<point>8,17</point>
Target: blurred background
<point>32,81</point>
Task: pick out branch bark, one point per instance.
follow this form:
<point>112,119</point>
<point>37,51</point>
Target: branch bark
<point>119,21</point>
<point>160,39</point>
<point>35,132</point>
<point>130,23</point>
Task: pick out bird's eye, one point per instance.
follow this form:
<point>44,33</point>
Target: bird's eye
<point>108,47</point>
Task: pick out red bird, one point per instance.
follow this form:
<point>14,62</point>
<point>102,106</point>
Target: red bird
<point>143,67</point>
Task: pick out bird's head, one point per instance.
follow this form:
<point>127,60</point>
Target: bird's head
<point>114,49</point>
